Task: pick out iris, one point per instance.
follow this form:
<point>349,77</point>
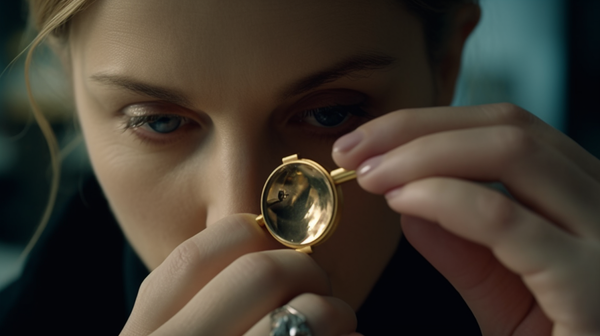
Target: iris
<point>165,124</point>
<point>331,117</point>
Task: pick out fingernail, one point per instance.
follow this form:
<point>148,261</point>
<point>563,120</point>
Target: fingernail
<point>369,165</point>
<point>347,142</point>
<point>393,193</point>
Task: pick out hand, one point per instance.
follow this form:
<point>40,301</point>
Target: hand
<point>227,279</point>
<point>525,266</point>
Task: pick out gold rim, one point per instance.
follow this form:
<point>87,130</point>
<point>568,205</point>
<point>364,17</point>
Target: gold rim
<point>335,218</point>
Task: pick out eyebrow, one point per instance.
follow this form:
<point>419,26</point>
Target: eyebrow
<point>345,68</point>
<point>168,95</point>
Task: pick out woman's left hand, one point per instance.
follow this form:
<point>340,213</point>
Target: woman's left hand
<point>525,266</point>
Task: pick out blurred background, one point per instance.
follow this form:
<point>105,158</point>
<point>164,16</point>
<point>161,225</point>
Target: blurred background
<point>543,55</point>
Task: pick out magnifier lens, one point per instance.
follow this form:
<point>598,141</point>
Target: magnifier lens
<point>298,203</point>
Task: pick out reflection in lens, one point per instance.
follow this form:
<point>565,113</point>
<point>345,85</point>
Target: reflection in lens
<point>298,203</point>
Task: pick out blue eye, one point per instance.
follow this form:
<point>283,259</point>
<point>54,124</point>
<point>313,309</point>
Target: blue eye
<point>332,116</point>
<point>157,123</point>
<point>331,119</point>
<point>165,124</point>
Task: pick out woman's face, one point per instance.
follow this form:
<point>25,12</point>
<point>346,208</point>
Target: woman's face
<point>220,91</point>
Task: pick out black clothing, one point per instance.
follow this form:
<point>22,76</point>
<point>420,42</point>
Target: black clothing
<point>82,278</point>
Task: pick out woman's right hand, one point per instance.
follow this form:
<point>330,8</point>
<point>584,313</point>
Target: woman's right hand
<point>227,279</point>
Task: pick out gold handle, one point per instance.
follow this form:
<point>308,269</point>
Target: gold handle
<point>260,220</point>
<point>342,175</point>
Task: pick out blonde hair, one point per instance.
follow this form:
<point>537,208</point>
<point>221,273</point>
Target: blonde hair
<point>50,18</point>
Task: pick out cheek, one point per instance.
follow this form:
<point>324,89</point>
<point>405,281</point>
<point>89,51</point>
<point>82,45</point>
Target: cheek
<point>367,235</point>
<point>153,195</point>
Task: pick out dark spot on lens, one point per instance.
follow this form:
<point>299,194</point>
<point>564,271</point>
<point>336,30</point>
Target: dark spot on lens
<point>282,195</point>
<point>165,124</point>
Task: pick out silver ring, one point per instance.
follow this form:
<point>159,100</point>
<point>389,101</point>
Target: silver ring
<point>287,321</point>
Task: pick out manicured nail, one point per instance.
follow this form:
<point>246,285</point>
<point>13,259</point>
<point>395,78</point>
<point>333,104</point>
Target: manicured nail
<point>347,142</point>
<point>369,165</point>
<point>393,193</point>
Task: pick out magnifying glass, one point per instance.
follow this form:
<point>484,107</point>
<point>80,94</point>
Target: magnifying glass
<point>301,202</point>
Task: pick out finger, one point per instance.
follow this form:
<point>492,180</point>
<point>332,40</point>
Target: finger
<point>245,291</point>
<point>325,316</point>
<point>537,175</point>
<point>400,127</point>
<point>558,268</point>
<point>190,267</point>
<point>498,298</point>
<point>523,241</point>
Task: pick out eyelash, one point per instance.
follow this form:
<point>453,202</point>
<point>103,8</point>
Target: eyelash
<point>139,121</point>
<point>357,115</point>
<point>356,110</point>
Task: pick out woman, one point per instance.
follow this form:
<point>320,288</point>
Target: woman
<point>186,108</point>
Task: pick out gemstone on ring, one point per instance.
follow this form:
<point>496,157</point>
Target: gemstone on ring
<point>287,321</point>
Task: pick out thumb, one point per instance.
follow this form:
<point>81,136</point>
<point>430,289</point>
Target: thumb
<point>498,298</point>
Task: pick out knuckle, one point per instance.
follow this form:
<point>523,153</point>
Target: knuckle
<point>514,142</point>
<point>241,225</point>
<point>499,210</point>
<point>181,259</point>
<point>420,145</point>
<point>177,264</point>
<point>511,114</point>
<point>146,286</point>
<point>403,120</point>
<point>263,268</point>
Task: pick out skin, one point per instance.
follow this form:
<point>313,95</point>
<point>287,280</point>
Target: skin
<point>178,196</point>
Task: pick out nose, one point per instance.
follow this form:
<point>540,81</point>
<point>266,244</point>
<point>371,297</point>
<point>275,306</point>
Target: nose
<point>235,175</point>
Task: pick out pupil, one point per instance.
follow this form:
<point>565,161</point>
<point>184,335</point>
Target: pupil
<point>330,118</point>
<point>165,124</point>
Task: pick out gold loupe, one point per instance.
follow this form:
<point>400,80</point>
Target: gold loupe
<point>301,202</point>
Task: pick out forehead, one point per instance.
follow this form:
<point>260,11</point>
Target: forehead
<point>220,46</point>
